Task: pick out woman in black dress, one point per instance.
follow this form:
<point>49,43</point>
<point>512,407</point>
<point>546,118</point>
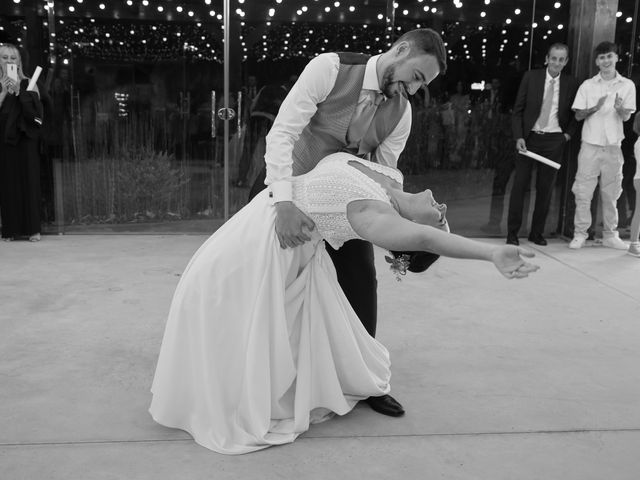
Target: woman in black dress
<point>20,121</point>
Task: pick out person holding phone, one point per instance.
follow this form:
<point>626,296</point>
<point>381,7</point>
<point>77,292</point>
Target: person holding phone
<point>20,122</point>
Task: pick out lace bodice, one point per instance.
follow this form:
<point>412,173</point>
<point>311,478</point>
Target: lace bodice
<point>324,193</point>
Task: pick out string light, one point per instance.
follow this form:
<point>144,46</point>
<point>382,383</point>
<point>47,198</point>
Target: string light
<point>331,15</point>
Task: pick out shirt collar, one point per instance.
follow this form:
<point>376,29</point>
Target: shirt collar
<point>616,79</point>
<point>549,77</point>
<point>370,76</point>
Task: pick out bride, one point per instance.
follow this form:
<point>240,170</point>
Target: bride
<point>260,341</point>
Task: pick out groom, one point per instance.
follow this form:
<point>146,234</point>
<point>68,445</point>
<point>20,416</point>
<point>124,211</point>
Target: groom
<point>356,103</point>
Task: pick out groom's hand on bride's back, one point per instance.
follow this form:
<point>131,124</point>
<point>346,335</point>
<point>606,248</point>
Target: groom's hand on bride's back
<point>292,226</point>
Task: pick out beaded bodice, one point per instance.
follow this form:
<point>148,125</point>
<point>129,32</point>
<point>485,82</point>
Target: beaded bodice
<point>324,193</point>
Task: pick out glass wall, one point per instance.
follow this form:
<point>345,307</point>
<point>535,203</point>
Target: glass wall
<point>143,148</point>
<point>133,145</point>
<point>144,151</point>
<point>130,142</point>
<point>461,144</point>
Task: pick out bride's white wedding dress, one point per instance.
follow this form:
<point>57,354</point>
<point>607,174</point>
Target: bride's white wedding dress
<point>260,341</point>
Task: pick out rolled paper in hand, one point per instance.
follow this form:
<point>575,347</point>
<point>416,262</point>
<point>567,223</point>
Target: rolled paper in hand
<point>540,159</point>
<point>34,79</point>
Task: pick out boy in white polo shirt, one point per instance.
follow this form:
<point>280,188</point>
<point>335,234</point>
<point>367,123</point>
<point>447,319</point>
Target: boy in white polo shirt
<point>604,102</point>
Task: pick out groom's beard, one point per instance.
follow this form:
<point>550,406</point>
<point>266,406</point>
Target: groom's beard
<point>389,87</point>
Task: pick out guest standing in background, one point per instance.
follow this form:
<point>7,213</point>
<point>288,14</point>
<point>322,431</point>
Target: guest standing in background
<point>604,102</point>
<point>20,122</point>
<point>542,123</point>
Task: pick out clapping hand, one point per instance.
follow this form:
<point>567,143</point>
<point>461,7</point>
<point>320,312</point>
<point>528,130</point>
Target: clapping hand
<point>617,102</point>
<point>601,101</point>
<point>623,112</point>
<point>508,260</point>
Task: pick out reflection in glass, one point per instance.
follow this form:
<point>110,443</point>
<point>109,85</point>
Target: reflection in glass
<point>461,143</point>
<point>133,84</point>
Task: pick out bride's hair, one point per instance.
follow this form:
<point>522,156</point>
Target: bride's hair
<point>418,261</point>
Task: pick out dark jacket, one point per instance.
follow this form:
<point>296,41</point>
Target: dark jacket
<point>24,117</point>
<point>528,104</point>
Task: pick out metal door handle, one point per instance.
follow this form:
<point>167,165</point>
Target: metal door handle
<point>226,114</point>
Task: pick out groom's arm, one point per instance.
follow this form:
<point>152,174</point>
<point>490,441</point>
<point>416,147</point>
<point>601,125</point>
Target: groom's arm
<point>301,103</point>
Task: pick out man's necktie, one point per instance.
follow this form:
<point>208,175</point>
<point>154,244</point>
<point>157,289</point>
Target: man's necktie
<point>545,111</point>
<point>363,115</point>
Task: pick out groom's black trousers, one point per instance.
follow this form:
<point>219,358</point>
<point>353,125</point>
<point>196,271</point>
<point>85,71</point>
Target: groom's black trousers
<point>354,263</point>
<point>357,278</point>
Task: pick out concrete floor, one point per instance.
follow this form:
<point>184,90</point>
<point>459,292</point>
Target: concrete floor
<point>530,379</point>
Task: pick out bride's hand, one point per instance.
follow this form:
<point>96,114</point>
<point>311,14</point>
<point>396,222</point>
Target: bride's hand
<point>508,260</point>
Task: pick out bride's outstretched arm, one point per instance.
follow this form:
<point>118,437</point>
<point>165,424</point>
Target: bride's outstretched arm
<point>380,224</point>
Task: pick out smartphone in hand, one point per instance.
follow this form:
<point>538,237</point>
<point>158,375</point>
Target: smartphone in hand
<point>12,71</point>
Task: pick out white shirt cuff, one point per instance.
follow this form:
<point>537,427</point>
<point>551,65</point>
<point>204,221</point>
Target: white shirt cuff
<point>281,191</point>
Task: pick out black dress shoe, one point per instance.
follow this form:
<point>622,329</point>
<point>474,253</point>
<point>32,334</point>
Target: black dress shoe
<point>512,240</point>
<point>537,239</point>
<point>385,405</point>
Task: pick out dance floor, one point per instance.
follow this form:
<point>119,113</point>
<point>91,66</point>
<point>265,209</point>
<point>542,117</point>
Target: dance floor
<point>501,379</point>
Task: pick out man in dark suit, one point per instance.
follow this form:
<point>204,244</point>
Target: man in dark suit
<point>542,123</point>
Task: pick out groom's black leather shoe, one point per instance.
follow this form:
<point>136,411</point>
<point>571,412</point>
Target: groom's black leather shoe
<point>385,405</point>
<point>537,239</point>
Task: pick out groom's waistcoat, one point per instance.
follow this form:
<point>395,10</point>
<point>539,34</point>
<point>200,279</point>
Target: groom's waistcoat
<point>326,132</point>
